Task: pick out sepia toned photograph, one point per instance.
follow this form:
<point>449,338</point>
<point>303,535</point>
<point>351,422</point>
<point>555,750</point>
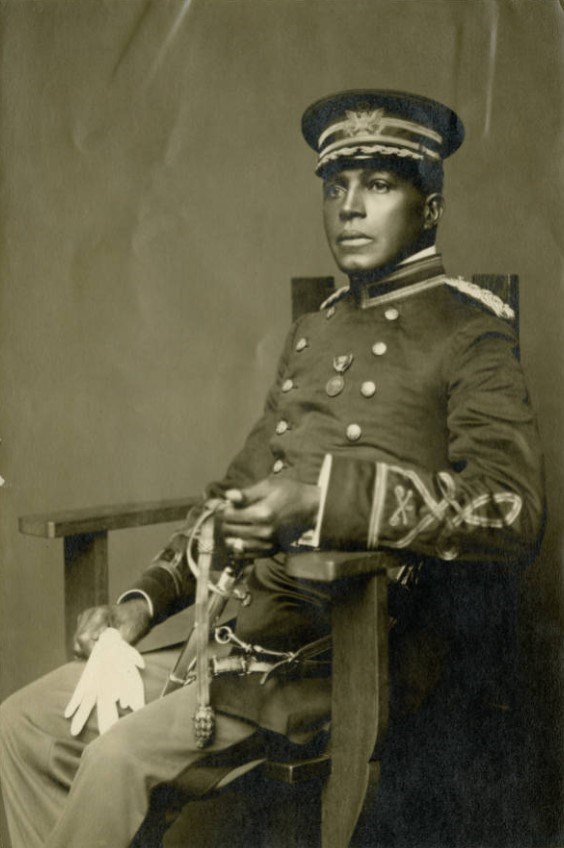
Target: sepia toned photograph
<point>281,466</point>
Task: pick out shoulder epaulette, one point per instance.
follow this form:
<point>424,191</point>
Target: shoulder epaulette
<point>488,298</point>
<point>334,297</point>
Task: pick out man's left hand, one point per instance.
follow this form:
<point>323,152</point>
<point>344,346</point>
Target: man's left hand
<point>268,515</point>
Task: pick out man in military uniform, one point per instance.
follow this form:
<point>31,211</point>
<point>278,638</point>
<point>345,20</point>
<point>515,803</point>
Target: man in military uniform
<point>399,419</point>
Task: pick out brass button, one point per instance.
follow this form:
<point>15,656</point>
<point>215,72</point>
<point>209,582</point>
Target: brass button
<point>287,385</point>
<point>281,427</point>
<point>379,349</point>
<point>301,344</point>
<point>330,312</point>
<point>278,466</point>
<point>391,314</point>
<point>354,432</point>
<point>368,389</point>
<point>447,552</point>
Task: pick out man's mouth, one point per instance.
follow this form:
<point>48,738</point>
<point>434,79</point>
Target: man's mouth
<point>353,238</point>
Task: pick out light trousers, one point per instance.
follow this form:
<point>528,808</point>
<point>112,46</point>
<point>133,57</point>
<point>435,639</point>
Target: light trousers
<point>93,791</point>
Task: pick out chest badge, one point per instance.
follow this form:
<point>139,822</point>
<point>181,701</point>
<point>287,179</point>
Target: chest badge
<point>342,363</point>
<point>334,386</point>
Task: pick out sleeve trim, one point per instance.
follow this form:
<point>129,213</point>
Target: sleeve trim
<point>312,537</point>
<point>136,593</point>
<point>378,501</point>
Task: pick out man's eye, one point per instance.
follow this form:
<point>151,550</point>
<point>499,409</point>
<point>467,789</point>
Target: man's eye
<point>332,190</point>
<point>380,186</point>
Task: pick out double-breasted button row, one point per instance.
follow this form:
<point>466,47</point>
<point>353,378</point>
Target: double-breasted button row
<point>335,386</point>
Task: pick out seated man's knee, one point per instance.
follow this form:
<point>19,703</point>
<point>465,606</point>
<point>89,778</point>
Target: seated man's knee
<point>34,715</point>
<point>13,715</point>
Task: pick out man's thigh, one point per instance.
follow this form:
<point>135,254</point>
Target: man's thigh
<point>42,703</point>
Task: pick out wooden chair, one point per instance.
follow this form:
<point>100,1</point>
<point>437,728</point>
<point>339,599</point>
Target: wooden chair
<point>359,616</point>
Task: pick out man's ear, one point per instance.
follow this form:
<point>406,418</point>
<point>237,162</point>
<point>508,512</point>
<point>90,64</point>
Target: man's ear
<point>433,210</point>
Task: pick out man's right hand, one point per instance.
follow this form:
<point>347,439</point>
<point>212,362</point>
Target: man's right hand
<point>132,618</point>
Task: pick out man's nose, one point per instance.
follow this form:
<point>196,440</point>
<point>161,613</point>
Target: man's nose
<point>353,204</point>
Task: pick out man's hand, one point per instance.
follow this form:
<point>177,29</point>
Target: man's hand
<point>132,619</point>
<point>268,515</point>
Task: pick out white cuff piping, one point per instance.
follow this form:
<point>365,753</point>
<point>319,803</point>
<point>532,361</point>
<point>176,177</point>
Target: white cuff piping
<point>135,593</point>
<point>378,500</point>
<point>311,537</point>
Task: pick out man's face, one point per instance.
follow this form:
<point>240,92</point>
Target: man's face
<point>371,217</point>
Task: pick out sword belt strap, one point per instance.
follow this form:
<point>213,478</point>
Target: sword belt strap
<point>244,664</point>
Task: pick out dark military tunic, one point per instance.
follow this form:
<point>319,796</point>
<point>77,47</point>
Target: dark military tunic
<point>406,401</point>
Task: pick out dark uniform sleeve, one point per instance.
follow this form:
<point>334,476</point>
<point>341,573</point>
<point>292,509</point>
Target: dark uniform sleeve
<point>488,505</point>
<point>168,582</point>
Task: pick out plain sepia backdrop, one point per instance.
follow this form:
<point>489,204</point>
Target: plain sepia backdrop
<point>156,197</point>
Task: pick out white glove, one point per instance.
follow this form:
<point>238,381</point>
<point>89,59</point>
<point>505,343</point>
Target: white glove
<point>111,675</point>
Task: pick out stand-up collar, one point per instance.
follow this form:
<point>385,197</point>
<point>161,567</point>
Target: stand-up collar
<point>409,277</point>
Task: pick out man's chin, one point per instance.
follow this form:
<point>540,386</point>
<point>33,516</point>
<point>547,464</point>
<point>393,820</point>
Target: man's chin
<point>360,265</point>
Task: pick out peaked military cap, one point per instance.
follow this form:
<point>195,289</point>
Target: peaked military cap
<point>365,123</point>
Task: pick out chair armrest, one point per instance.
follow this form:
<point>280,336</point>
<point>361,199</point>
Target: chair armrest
<point>103,518</point>
<point>330,566</point>
<point>85,536</point>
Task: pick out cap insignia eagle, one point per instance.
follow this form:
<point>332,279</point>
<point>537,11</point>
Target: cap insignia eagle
<point>361,122</point>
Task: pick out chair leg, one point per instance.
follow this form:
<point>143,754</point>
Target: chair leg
<point>86,577</point>
<point>294,817</point>
<point>359,704</point>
